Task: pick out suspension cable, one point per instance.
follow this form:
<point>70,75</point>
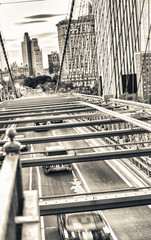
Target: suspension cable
<point>6,59</point>
<point>64,51</point>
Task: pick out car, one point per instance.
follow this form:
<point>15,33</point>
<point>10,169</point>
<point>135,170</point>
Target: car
<point>41,124</point>
<point>24,147</point>
<point>56,151</point>
<point>83,225</point>
<point>56,121</point>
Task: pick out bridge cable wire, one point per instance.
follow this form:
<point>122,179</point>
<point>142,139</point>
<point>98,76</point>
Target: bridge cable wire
<point>22,2</point>
<point>132,25</point>
<point>126,41</point>
<point>6,59</point>
<point>65,45</point>
<point>82,50</point>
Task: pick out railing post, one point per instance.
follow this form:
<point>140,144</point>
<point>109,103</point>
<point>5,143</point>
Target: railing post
<point>19,211</point>
<point>13,147</point>
<point>11,192</point>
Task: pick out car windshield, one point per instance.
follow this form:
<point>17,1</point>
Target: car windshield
<point>84,221</point>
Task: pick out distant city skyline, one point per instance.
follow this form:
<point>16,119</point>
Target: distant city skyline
<point>39,19</point>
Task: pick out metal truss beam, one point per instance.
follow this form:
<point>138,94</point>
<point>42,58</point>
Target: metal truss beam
<point>43,109</point>
<point>132,103</point>
<point>56,126</point>
<point>87,157</point>
<point>45,112</point>
<point>66,125</point>
<point>133,121</point>
<point>71,137</point>
<point>60,117</point>
<point>94,201</point>
<point>29,103</point>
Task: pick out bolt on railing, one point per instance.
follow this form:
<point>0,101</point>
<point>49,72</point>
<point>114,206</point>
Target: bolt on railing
<point>15,204</point>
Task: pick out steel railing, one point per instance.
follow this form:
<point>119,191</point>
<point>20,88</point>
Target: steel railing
<point>15,205</point>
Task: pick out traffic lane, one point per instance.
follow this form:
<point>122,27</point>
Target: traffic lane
<point>128,230</point>
<point>130,223</point>
<point>56,183</point>
<point>26,172</point>
<point>127,223</point>
<point>98,175</point>
<point>31,182</point>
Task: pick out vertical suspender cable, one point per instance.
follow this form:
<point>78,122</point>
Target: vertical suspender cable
<point>64,51</point>
<point>9,70</point>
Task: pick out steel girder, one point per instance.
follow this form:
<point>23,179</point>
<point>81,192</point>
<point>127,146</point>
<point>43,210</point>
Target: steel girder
<point>33,102</point>
<point>83,136</point>
<point>45,112</point>
<point>94,201</point>
<point>42,109</point>
<point>57,126</point>
<point>60,117</point>
<point>133,121</point>
<point>66,125</point>
<point>132,103</point>
<point>86,157</point>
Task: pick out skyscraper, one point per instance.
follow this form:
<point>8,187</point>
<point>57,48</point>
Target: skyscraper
<point>36,54</point>
<point>32,55</point>
<point>80,62</point>
<point>26,53</point>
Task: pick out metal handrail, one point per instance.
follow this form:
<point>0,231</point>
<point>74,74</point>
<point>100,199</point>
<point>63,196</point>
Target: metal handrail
<point>15,208</point>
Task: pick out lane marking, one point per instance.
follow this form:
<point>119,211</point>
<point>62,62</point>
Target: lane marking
<point>42,227</point>
<point>89,191</point>
<point>30,178</point>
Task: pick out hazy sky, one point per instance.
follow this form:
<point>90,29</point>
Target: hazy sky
<point>38,18</point>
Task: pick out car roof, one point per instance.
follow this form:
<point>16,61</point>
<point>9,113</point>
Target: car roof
<point>84,221</point>
<point>19,136</point>
<point>55,148</point>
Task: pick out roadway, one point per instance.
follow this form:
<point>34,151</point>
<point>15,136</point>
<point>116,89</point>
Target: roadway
<point>126,224</point>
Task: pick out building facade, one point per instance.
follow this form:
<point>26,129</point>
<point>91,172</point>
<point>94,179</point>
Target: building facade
<point>53,62</point>
<point>36,53</point>
<point>26,53</point>
<point>122,30</point>
<point>143,70</point>
<point>19,70</point>
<point>80,62</point>
<point>32,55</point>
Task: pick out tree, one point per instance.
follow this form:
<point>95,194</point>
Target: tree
<point>34,82</point>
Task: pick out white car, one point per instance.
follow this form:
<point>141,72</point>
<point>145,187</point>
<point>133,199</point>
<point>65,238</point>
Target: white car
<point>83,225</point>
<point>56,151</point>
